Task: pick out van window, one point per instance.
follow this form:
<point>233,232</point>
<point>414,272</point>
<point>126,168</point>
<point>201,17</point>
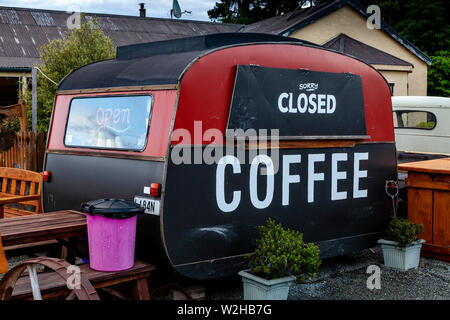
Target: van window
<point>119,122</point>
<point>414,119</point>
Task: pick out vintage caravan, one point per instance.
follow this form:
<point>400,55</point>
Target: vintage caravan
<point>215,134</point>
<point>422,124</point>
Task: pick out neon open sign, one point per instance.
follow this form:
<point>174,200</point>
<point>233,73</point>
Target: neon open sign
<point>106,117</point>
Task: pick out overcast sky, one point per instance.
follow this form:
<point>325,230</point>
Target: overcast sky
<point>155,8</point>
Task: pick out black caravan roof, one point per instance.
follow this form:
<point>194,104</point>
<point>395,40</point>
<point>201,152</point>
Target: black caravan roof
<point>157,63</point>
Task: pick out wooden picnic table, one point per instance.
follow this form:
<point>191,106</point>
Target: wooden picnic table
<point>42,227</point>
<point>52,286</point>
<point>62,225</point>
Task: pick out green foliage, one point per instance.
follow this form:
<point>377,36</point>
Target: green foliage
<point>60,57</point>
<point>249,11</point>
<point>426,125</point>
<point>439,74</point>
<point>280,253</point>
<point>12,123</point>
<point>425,24</point>
<point>403,231</point>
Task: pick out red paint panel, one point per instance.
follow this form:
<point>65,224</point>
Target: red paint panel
<point>160,123</point>
<point>206,88</point>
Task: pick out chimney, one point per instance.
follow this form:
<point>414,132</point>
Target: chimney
<point>142,10</point>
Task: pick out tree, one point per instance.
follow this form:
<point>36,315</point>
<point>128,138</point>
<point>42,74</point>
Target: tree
<point>424,23</point>
<point>59,57</point>
<point>249,11</point>
<point>392,11</point>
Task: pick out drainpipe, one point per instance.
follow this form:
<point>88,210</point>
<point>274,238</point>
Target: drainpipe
<point>34,100</point>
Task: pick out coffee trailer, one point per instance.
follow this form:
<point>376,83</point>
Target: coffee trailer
<point>214,134</point>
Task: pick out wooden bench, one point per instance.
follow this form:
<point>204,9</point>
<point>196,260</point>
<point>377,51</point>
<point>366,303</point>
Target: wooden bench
<point>21,188</point>
<point>52,286</point>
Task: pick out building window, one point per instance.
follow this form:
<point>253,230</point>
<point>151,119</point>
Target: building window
<point>9,87</point>
<point>391,87</point>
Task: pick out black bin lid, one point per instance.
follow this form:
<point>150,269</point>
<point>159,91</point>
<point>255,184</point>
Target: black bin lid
<point>112,208</point>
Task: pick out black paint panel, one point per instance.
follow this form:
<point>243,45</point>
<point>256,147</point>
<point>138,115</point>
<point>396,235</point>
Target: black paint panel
<point>76,179</point>
<point>256,99</point>
<point>232,265</point>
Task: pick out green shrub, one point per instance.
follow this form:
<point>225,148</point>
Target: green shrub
<point>78,47</point>
<point>403,231</point>
<point>280,253</point>
<point>426,125</point>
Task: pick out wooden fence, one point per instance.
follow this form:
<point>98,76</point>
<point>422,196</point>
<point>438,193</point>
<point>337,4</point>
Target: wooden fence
<point>27,152</point>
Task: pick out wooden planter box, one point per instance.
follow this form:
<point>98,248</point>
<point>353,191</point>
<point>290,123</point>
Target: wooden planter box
<point>428,185</point>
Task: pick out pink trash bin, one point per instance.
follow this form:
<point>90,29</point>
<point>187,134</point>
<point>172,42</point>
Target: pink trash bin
<point>111,227</point>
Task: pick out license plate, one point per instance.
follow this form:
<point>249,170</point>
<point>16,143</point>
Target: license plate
<point>151,206</point>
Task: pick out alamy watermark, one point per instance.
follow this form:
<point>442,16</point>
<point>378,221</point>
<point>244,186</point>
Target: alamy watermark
<point>374,280</point>
<point>74,280</point>
<point>74,20</point>
<point>190,149</point>
<point>374,20</point>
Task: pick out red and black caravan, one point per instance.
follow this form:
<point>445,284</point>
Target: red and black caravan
<point>215,134</point>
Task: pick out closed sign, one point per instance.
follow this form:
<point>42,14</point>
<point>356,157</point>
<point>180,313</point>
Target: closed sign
<point>297,102</point>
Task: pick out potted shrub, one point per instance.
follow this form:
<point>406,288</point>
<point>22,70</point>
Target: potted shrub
<point>401,249</point>
<point>280,258</point>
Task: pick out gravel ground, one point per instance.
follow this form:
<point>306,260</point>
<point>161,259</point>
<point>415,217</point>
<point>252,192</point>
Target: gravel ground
<point>13,261</point>
<point>345,278</point>
<point>339,278</point>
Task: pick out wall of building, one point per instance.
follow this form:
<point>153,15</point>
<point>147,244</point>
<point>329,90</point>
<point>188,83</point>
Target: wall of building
<point>398,75</point>
<point>350,22</point>
<point>400,81</point>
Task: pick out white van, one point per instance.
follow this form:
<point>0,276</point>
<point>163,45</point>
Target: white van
<point>422,124</point>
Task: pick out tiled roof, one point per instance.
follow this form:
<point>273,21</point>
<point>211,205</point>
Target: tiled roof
<point>344,44</point>
<point>281,24</point>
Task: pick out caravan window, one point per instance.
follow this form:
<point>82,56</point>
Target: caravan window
<point>414,119</point>
<point>113,122</point>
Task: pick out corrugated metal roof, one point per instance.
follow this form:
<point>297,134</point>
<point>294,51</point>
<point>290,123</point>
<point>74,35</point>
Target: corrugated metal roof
<point>362,51</point>
<point>24,31</point>
<point>9,16</point>
<point>17,63</point>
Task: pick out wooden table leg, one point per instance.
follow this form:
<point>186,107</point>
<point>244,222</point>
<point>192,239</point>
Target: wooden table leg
<point>140,290</point>
<point>63,251</point>
<point>69,251</point>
